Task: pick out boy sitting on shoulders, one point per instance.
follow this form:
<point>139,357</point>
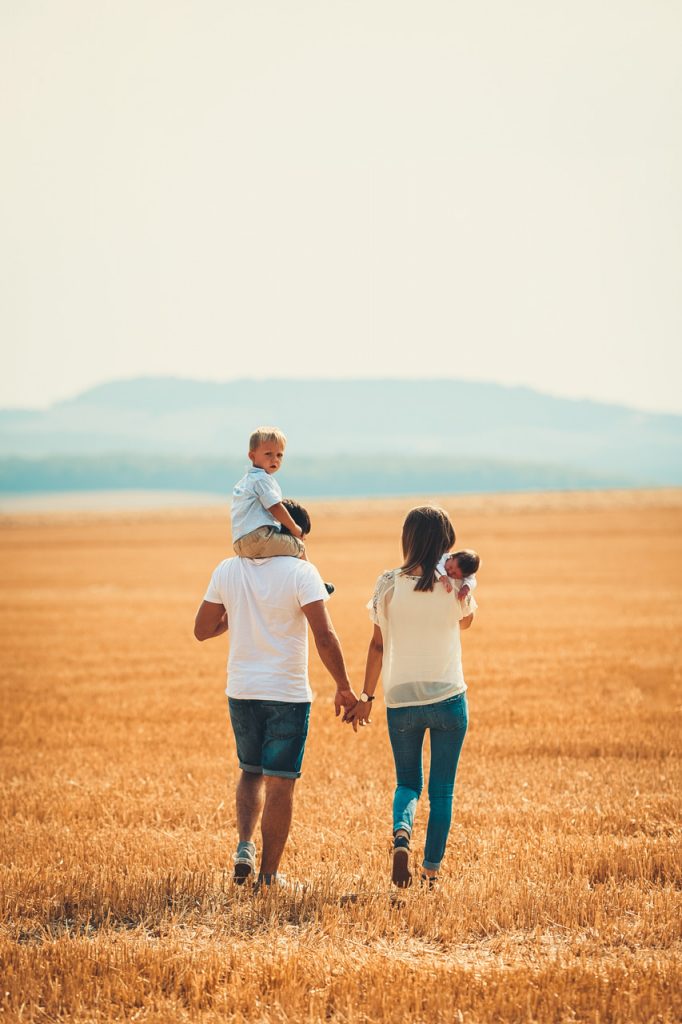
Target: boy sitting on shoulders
<point>258,514</point>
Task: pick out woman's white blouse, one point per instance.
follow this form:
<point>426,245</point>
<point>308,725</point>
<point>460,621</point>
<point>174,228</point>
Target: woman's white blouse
<point>422,661</point>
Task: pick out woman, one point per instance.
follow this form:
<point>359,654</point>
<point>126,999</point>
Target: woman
<point>416,644</point>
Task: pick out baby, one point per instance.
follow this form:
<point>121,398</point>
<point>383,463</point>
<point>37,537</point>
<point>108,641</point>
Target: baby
<point>258,513</point>
<point>460,566</point>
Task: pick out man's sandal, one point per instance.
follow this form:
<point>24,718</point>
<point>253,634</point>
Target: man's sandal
<point>401,874</point>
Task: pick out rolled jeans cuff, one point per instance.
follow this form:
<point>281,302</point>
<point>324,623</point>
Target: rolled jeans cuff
<point>428,864</point>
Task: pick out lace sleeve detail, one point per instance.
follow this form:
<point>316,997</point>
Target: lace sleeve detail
<point>383,590</point>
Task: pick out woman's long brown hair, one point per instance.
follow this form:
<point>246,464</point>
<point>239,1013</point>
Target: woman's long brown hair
<point>427,534</point>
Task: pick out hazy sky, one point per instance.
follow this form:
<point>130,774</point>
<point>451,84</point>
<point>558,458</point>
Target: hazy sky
<point>219,189</point>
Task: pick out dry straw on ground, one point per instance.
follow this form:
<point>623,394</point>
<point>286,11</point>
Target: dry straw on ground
<point>561,891</point>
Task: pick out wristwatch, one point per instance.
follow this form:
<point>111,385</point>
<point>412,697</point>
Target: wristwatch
<point>365,697</point>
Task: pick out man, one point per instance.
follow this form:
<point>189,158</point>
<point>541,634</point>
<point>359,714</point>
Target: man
<point>267,604</point>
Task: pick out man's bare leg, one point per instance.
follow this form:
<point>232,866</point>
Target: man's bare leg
<point>276,821</point>
<point>249,804</point>
<point>250,792</point>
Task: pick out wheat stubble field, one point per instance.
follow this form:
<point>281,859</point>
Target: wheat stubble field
<point>561,891</point>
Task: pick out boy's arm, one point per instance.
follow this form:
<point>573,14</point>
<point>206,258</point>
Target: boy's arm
<point>282,516</point>
<point>470,581</point>
<point>269,494</point>
<point>440,568</point>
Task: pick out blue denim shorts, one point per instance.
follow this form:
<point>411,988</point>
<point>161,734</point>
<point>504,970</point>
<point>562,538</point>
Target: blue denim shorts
<point>270,735</point>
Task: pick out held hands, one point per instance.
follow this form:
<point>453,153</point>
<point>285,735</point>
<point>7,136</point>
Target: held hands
<point>344,700</point>
<point>358,715</point>
<point>355,712</point>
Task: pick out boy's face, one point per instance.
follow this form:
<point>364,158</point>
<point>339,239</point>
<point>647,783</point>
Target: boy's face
<point>268,456</point>
<point>453,570</point>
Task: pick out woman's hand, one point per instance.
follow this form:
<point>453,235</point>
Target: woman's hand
<point>359,715</point>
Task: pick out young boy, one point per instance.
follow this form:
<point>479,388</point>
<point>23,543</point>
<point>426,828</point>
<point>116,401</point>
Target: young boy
<point>258,514</point>
<point>461,566</point>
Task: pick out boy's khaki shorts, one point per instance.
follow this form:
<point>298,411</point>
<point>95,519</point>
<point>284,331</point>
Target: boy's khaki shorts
<point>266,542</point>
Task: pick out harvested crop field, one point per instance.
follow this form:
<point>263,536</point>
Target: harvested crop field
<point>561,893</point>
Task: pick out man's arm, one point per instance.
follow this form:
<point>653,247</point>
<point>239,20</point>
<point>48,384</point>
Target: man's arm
<point>331,655</point>
<point>211,620</point>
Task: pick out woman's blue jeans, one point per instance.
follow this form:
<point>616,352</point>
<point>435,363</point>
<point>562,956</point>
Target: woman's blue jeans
<point>447,724</point>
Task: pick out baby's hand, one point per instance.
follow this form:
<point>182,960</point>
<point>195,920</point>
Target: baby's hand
<point>463,592</point>
<point>446,583</point>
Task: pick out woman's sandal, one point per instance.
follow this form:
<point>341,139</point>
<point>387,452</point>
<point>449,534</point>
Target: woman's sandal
<point>401,874</point>
<point>429,880</point>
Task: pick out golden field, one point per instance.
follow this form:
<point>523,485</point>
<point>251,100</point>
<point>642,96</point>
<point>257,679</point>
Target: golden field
<point>561,892</point>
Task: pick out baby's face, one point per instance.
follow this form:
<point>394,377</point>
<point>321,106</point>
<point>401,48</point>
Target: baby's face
<point>453,570</point>
<point>268,456</point>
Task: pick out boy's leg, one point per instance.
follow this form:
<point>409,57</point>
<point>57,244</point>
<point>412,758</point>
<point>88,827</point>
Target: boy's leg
<point>282,544</point>
<point>250,544</point>
<point>267,542</point>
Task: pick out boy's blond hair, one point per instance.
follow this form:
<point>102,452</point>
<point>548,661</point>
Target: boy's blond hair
<point>264,434</point>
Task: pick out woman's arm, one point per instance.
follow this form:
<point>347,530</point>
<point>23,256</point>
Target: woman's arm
<point>375,656</point>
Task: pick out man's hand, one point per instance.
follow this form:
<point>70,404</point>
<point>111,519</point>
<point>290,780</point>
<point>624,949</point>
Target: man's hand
<point>359,715</point>
<point>344,700</point>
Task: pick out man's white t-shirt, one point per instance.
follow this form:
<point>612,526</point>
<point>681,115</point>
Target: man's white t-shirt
<point>268,631</point>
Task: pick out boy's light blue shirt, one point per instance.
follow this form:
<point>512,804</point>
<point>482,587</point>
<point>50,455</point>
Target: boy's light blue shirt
<point>252,496</point>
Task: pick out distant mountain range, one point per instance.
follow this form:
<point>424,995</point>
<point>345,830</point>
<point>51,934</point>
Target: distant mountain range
<point>345,437</point>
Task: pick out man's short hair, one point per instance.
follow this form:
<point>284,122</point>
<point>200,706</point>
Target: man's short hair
<point>264,434</point>
<point>298,514</point>
<point>468,561</point>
